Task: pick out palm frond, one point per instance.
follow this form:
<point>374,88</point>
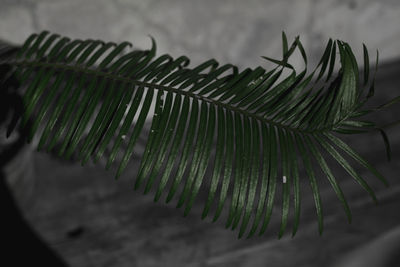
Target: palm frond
<point>89,97</point>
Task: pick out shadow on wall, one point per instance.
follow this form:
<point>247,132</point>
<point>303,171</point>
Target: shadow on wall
<point>21,243</point>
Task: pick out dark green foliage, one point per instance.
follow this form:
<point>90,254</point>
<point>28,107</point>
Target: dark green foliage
<point>89,97</point>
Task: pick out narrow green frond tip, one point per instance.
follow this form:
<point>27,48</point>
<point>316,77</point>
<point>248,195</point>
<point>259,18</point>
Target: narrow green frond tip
<point>241,136</point>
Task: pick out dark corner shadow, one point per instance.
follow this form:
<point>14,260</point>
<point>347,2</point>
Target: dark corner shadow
<point>21,244</point>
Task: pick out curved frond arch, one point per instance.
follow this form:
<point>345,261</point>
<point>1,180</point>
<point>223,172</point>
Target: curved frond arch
<point>92,99</point>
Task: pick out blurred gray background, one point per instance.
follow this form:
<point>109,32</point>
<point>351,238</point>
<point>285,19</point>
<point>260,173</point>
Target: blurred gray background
<point>238,32</point>
<point>119,227</point>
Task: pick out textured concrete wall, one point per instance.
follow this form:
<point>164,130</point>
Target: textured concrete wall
<point>230,31</point>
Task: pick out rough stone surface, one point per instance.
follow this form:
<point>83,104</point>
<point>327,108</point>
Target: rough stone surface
<point>231,31</point>
<point>16,23</point>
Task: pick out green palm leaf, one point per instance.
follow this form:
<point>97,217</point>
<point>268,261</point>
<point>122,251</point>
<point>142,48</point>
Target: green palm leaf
<point>92,99</point>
